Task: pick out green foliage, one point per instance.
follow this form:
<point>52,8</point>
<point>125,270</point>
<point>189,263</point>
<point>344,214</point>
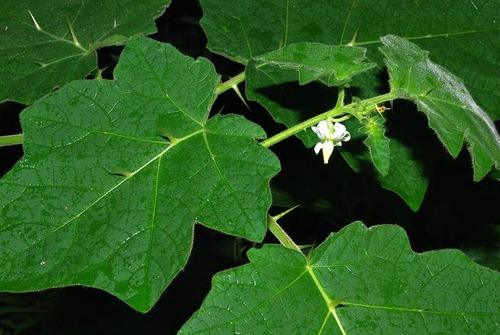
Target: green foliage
<point>43,47</point>
<point>333,66</point>
<point>117,172</point>
<point>305,63</point>
<point>461,35</point>
<point>451,111</point>
<point>406,175</point>
<point>377,143</point>
<point>119,201</point>
<point>359,281</point>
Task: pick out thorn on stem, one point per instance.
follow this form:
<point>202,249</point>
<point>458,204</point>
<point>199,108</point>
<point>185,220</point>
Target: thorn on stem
<point>122,173</point>
<point>238,93</point>
<point>280,215</point>
<point>353,39</point>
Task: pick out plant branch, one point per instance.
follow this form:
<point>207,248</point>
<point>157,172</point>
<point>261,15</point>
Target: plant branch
<point>227,85</point>
<point>8,140</point>
<point>336,111</point>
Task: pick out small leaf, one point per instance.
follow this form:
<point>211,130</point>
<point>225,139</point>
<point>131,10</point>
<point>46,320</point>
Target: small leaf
<point>359,281</point>
<point>443,98</point>
<point>45,45</point>
<point>377,144</point>
<point>103,199</point>
<point>406,175</point>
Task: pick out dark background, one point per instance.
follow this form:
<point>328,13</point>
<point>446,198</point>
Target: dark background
<point>456,213</point>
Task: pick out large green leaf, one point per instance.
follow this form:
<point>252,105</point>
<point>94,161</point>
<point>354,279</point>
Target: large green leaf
<point>359,281</point>
<point>117,172</point>
<point>47,44</point>
<point>460,34</point>
<point>451,111</point>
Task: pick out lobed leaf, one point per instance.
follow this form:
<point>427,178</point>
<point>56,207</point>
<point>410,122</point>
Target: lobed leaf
<point>359,281</point>
<point>46,45</point>
<point>116,173</point>
<point>443,98</point>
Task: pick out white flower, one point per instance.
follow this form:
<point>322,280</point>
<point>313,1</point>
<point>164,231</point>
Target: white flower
<point>330,135</point>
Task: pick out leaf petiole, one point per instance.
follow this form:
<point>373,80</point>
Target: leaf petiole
<point>8,140</point>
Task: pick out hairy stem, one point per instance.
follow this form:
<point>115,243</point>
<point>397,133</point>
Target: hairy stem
<point>340,98</point>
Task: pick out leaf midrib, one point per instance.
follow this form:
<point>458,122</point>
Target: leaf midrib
<point>96,201</point>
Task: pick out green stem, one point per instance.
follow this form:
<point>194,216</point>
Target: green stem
<point>281,235</point>
<point>11,140</point>
<point>340,98</point>
<point>227,85</point>
<point>299,127</point>
<point>337,110</point>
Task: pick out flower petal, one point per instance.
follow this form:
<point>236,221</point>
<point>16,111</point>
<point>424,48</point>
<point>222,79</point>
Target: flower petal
<point>339,132</point>
<point>346,137</point>
<point>323,130</point>
<point>327,151</point>
<point>318,147</point>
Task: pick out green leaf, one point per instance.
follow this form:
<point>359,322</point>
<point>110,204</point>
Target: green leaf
<point>45,45</point>
<point>443,98</point>
<point>117,172</point>
<point>406,175</point>
<point>377,143</point>
<point>332,65</point>
<point>460,34</point>
<point>359,281</point>
<point>408,166</point>
<point>271,77</point>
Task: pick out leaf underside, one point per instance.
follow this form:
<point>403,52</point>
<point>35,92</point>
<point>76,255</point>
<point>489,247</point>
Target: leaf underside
<point>117,172</point>
<point>377,143</point>
<point>408,165</point>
